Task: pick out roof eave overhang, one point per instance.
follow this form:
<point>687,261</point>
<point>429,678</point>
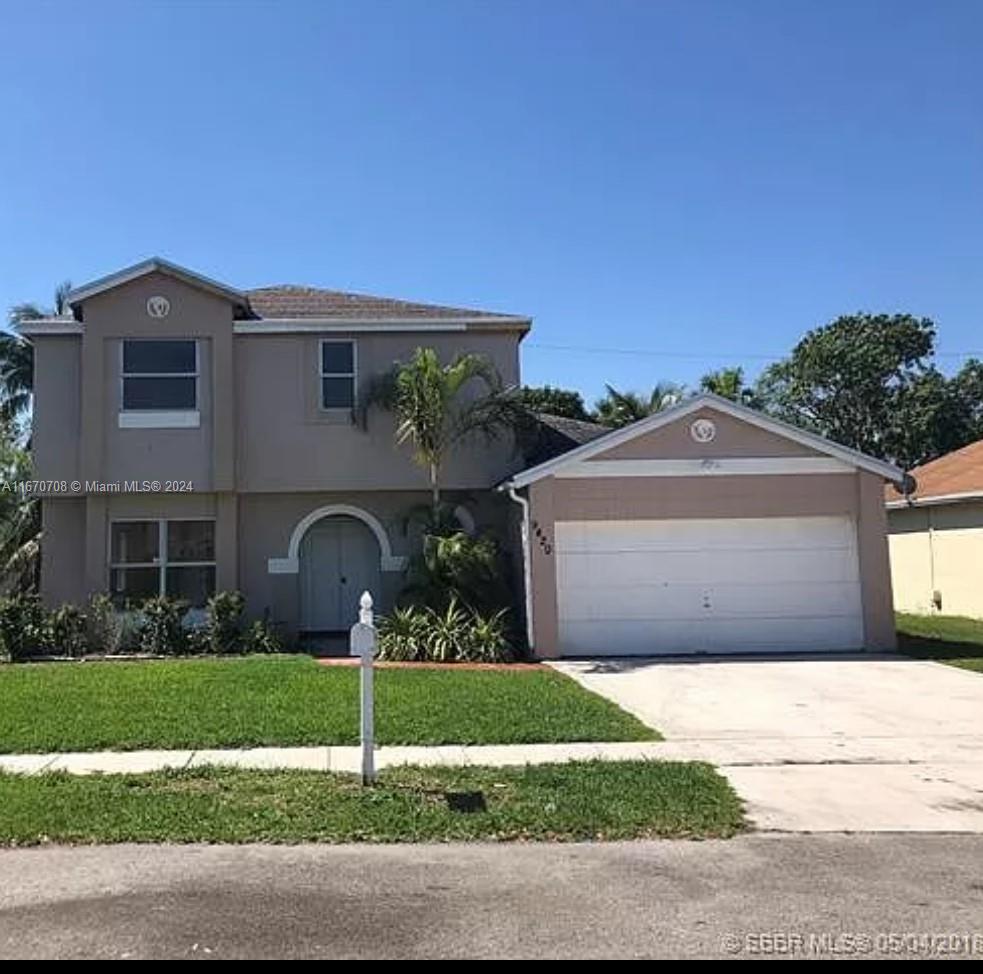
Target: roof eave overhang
<point>853,457</point>
<point>156,265</point>
<point>937,500</point>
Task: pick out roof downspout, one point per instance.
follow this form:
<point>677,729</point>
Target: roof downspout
<point>526,564</point>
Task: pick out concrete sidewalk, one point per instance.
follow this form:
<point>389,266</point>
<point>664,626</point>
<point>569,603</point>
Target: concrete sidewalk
<point>346,759</point>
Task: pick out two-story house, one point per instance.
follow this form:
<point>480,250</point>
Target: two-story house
<point>199,438</point>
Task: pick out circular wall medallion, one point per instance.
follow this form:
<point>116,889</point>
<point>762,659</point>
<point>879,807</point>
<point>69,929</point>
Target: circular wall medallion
<point>158,306</point>
<point>703,430</point>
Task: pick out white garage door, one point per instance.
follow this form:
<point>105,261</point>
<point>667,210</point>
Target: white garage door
<point>708,586</point>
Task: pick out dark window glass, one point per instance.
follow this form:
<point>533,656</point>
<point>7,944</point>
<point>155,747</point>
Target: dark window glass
<point>159,356</point>
<point>337,358</point>
<point>338,393</point>
<point>134,584</point>
<point>195,585</point>
<point>190,541</point>
<point>159,393</point>
<point>134,541</point>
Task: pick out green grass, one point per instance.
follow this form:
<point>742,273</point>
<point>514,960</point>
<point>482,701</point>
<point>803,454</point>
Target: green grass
<point>560,802</point>
<point>290,700</point>
<point>955,640</point>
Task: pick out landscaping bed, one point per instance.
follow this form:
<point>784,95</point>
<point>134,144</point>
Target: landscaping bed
<point>258,701</point>
<point>955,640</point>
<point>557,803</point>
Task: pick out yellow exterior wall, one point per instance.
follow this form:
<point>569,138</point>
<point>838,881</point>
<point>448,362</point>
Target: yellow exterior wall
<point>938,551</point>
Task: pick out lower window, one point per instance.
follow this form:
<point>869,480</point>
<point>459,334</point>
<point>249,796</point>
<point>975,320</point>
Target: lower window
<point>162,557</point>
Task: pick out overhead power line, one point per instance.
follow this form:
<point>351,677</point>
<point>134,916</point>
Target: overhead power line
<point>655,353</point>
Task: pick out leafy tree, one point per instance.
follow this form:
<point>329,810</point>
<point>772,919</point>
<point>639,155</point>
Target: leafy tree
<point>438,406</point>
<point>556,402</point>
<point>621,408</point>
<point>867,381</point>
<point>17,355</point>
<point>20,518</point>
<point>730,384</point>
<point>967,387</point>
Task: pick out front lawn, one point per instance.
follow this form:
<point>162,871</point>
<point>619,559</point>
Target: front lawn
<point>559,802</point>
<point>949,639</point>
<point>290,700</point>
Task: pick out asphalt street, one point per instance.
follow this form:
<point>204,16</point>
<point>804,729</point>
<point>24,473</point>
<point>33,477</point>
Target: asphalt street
<point>757,895</point>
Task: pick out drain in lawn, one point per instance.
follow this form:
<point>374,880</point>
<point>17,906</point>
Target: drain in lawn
<point>466,802</point>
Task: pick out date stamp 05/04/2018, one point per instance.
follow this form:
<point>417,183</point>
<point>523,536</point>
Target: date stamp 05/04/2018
<point>777,943</point>
<point>31,488</point>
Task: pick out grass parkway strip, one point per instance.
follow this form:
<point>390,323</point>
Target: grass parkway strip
<point>569,802</point>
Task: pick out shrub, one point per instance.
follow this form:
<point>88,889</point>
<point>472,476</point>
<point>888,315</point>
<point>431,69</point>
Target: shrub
<point>222,632</point>
<point>260,637</point>
<point>456,633</point>
<point>105,626</point>
<point>68,633</point>
<point>456,568</point>
<point>23,629</point>
<point>162,632</point>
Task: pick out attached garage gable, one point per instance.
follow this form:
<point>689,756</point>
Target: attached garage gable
<point>708,529</point>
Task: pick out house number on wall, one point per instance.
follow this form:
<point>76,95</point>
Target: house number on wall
<point>703,430</point>
<point>158,306</point>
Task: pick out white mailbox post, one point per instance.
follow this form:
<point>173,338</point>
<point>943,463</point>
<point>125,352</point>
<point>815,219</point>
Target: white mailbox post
<point>363,642</point>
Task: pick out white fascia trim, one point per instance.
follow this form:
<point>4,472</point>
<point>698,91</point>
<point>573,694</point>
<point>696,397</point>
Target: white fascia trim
<point>151,419</point>
<point>901,502</point>
<point>686,407</point>
<point>724,467</point>
<point>275,326</point>
<point>48,326</point>
<point>149,266</point>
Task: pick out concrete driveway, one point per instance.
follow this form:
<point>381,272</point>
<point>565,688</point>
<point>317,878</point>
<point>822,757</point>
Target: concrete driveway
<point>818,744</point>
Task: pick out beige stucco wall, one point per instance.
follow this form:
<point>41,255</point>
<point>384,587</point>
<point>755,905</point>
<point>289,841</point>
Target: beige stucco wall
<point>858,495</point>
<point>63,550</point>
<point>287,443</point>
<point>261,434</point>
<point>734,439</point>
<point>938,550</point>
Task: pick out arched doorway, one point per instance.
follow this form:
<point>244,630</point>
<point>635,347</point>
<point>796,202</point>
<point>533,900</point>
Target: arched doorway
<point>339,559</point>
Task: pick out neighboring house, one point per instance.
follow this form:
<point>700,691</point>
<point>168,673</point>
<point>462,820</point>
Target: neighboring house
<point>936,536</point>
<point>706,528</point>
<point>200,438</point>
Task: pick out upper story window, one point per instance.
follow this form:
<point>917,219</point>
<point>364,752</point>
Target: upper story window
<point>159,382</point>
<point>337,375</point>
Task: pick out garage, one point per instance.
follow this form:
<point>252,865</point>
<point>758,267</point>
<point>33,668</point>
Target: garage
<point>708,586</point>
<point>706,529</point>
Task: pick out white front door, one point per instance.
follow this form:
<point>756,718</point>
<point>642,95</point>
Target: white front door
<point>782,584</point>
<point>339,560</point>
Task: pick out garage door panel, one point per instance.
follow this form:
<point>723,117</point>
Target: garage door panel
<point>766,566</point>
<point>698,601</point>
<point>684,586</point>
<point>700,534</point>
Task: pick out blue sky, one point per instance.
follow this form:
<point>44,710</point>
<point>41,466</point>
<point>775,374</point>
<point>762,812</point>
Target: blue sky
<point>692,183</point>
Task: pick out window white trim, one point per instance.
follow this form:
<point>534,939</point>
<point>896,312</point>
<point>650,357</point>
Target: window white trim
<point>124,375</point>
<point>159,419</point>
<point>322,375</point>
<point>161,562</point>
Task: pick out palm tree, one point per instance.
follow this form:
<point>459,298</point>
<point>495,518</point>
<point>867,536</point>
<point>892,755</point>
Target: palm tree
<point>433,415</point>
<point>20,519</point>
<point>621,408</point>
<point>17,355</point>
<point>729,383</point>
